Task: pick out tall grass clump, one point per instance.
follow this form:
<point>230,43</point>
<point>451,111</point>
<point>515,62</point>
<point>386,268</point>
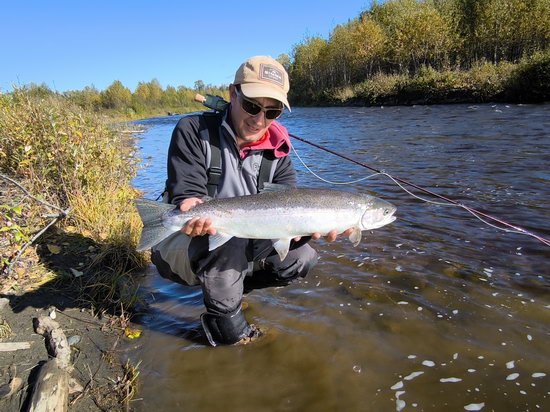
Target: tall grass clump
<point>71,158</point>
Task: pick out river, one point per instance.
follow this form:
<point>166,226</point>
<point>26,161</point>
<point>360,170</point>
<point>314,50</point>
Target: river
<point>436,311</point>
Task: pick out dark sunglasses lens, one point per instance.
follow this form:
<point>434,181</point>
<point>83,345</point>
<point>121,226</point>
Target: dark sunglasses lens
<point>253,109</point>
<point>273,114</point>
<point>250,107</point>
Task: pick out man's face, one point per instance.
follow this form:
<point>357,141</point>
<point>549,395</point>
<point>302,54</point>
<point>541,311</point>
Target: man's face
<point>250,128</point>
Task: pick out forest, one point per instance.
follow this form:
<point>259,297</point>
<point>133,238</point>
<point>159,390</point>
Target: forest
<point>478,49</point>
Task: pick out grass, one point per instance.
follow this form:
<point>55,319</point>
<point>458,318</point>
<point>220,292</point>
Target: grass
<point>75,160</point>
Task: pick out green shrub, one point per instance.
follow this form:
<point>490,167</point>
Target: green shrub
<point>73,159</point>
<point>530,81</point>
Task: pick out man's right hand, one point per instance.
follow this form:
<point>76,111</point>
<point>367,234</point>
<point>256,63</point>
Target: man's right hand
<point>198,226</point>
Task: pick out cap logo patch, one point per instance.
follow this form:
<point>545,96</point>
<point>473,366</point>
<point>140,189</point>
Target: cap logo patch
<point>272,74</point>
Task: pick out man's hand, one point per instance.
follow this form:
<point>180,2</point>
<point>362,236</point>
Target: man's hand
<point>196,226</point>
<point>330,236</point>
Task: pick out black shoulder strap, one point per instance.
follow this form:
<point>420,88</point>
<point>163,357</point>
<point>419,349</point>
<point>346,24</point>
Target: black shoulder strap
<point>265,168</point>
<point>213,121</point>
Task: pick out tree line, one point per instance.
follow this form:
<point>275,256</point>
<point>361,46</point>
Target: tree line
<point>148,97</point>
<point>404,37</point>
<point>395,52</point>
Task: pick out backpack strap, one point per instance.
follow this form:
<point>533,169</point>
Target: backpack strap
<point>213,122</point>
<point>265,168</point>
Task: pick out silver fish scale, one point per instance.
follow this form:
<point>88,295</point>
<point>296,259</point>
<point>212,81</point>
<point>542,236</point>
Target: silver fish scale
<point>283,214</point>
<point>279,215</point>
<point>288,199</point>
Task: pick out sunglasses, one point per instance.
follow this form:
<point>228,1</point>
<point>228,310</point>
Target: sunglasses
<point>253,108</point>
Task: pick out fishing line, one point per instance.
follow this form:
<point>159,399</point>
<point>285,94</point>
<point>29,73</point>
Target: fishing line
<point>329,181</point>
<point>483,217</point>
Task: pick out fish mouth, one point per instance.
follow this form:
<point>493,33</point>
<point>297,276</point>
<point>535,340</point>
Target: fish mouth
<point>384,222</point>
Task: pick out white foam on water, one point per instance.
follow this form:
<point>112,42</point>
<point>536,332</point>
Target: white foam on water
<point>413,375</point>
<point>399,268</point>
<point>512,376</point>
<point>529,337</point>
<point>411,356</point>
<point>455,356</point>
<point>471,370</point>
<point>510,365</point>
<point>397,386</point>
<point>402,302</point>
<point>475,406</point>
<point>523,392</point>
<point>538,375</point>
<point>399,405</point>
<point>450,380</point>
<point>428,363</point>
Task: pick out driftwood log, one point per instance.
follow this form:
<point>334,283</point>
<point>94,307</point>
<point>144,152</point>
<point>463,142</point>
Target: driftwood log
<point>51,391</point>
<point>12,346</point>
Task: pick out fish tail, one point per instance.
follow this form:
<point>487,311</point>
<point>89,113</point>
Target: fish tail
<point>151,214</point>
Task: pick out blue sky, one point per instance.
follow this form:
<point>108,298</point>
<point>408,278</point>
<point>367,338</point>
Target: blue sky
<point>70,44</point>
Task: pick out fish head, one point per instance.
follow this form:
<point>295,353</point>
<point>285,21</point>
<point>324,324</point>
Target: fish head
<point>378,213</point>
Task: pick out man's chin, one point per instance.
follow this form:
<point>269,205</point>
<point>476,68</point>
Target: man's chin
<point>251,137</point>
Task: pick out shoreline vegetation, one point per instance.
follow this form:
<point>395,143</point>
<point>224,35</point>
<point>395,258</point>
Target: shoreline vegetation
<point>428,51</point>
<point>72,150</point>
<point>67,170</point>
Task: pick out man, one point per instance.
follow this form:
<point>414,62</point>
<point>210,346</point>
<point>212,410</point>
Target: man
<point>229,154</point>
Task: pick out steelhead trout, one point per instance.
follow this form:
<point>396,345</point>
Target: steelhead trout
<point>275,214</point>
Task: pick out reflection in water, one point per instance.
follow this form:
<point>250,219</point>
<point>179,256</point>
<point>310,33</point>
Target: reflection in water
<point>435,311</point>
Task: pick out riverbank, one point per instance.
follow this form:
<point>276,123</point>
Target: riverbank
<point>67,237</point>
<point>48,281</point>
<point>525,82</point>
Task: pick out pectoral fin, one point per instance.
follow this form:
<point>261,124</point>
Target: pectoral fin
<point>282,246</point>
<point>217,240</point>
<point>355,236</point>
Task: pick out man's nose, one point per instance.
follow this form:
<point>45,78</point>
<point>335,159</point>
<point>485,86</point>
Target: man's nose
<point>260,117</point>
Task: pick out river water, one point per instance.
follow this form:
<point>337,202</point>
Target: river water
<point>436,311</point>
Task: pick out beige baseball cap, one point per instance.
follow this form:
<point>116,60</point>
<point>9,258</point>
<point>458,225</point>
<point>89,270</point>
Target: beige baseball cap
<point>263,76</point>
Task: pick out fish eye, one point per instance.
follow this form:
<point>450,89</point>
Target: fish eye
<point>386,211</point>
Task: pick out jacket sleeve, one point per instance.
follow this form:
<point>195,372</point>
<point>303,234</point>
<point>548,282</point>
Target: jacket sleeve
<point>187,165</point>
<point>285,174</point>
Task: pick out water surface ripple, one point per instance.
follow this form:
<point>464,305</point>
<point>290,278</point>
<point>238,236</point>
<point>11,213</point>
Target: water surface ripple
<point>436,311</point>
